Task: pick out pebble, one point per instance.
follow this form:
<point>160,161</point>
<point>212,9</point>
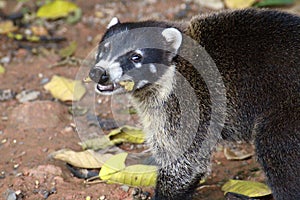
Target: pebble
<point>2,175</point>
<point>26,96</point>
<point>4,118</point>
<point>16,166</point>
<point>11,195</point>
<point>5,60</point>
<point>125,188</point>
<point>102,197</point>
<point>44,81</point>
<point>6,94</point>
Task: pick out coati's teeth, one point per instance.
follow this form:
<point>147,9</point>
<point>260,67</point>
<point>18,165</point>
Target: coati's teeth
<point>104,88</point>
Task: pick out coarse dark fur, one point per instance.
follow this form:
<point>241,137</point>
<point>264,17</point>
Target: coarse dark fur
<point>257,53</point>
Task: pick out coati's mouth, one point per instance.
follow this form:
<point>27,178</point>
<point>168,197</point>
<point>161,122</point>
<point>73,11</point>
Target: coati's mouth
<point>107,89</point>
<point>115,87</point>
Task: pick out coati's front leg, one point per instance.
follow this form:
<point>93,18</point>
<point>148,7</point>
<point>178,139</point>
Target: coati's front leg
<point>278,150</point>
<point>179,179</point>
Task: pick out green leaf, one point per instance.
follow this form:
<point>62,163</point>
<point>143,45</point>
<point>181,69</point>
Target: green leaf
<point>264,3</point>
<point>72,19</point>
<point>114,171</point>
<point>2,69</point>
<point>246,188</point>
<point>112,166</point>
<point>239,3</point>
<point>68,51</point>
<point>136,175</point>
<point>56,9</point>
<point>127,134</point>
<point>117,136</point>
<point>97,143</point>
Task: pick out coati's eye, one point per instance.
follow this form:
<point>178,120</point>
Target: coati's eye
<point>135,57</point>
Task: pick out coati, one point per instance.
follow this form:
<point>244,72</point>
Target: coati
<point>257,54</point>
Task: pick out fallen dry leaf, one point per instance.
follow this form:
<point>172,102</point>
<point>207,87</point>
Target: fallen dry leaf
<point>65,89</point>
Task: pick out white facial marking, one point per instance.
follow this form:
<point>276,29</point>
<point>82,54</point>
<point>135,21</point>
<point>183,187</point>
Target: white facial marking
<point>138,65</point>
<point>152,68</point>
<point>139,52</point>
<point>115,71</point>
<point>173,36</point>
<point>107,44</point>
<point>102,63</point>
<point>142,83</point>
<point>113,22</point>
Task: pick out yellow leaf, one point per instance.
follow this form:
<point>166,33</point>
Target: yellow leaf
<point>2,69</point>
<point>112,166</point>
<point>236,154</point>
<point>7,27</point>
<point>88,159</point>
<point>65,89</point>
<point>127,134</point>
<point>246,188</point>
<point>114,171</point>
<point>128,85</point>
<point>97,143</point>
<point>239,3</point>
<point>136,175</point>
<point>56,9</point>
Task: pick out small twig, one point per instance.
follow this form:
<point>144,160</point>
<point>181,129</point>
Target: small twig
<point>67,61</point>
<point>93,180</point>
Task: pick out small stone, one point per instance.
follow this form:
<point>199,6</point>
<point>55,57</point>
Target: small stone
<point>53,190</point>
<point>44,81</point>
<point>10,195</point>
<point>125,188</point>
<point>5,60</point>
<point>2,175</point>
<point>26,96</point>
<point>102,197</point>
<point>6,94</point>
<point>3,141</point>
<point>45,193</point>
<point>88,198</point>
<point>16,166</point>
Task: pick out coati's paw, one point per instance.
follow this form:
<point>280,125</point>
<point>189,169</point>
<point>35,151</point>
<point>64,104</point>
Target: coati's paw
<point>139,194</point>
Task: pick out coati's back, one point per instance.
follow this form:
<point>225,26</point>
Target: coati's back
<point>258,55</point>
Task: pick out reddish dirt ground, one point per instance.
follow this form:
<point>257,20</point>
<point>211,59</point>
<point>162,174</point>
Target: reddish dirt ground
<point>29,132</point>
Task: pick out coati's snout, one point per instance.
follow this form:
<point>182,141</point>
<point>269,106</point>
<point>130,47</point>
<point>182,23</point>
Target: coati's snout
<point>103,84</point>
<point>98,75</point>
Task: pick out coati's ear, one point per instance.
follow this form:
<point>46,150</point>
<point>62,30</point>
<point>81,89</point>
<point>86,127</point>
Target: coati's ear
<point>173,36</point>
<point>113,22</point>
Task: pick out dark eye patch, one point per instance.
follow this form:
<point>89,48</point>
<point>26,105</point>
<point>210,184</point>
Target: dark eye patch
<point>136,57</point>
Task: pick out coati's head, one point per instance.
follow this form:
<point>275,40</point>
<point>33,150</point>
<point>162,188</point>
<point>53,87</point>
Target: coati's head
<point>134,56</point>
